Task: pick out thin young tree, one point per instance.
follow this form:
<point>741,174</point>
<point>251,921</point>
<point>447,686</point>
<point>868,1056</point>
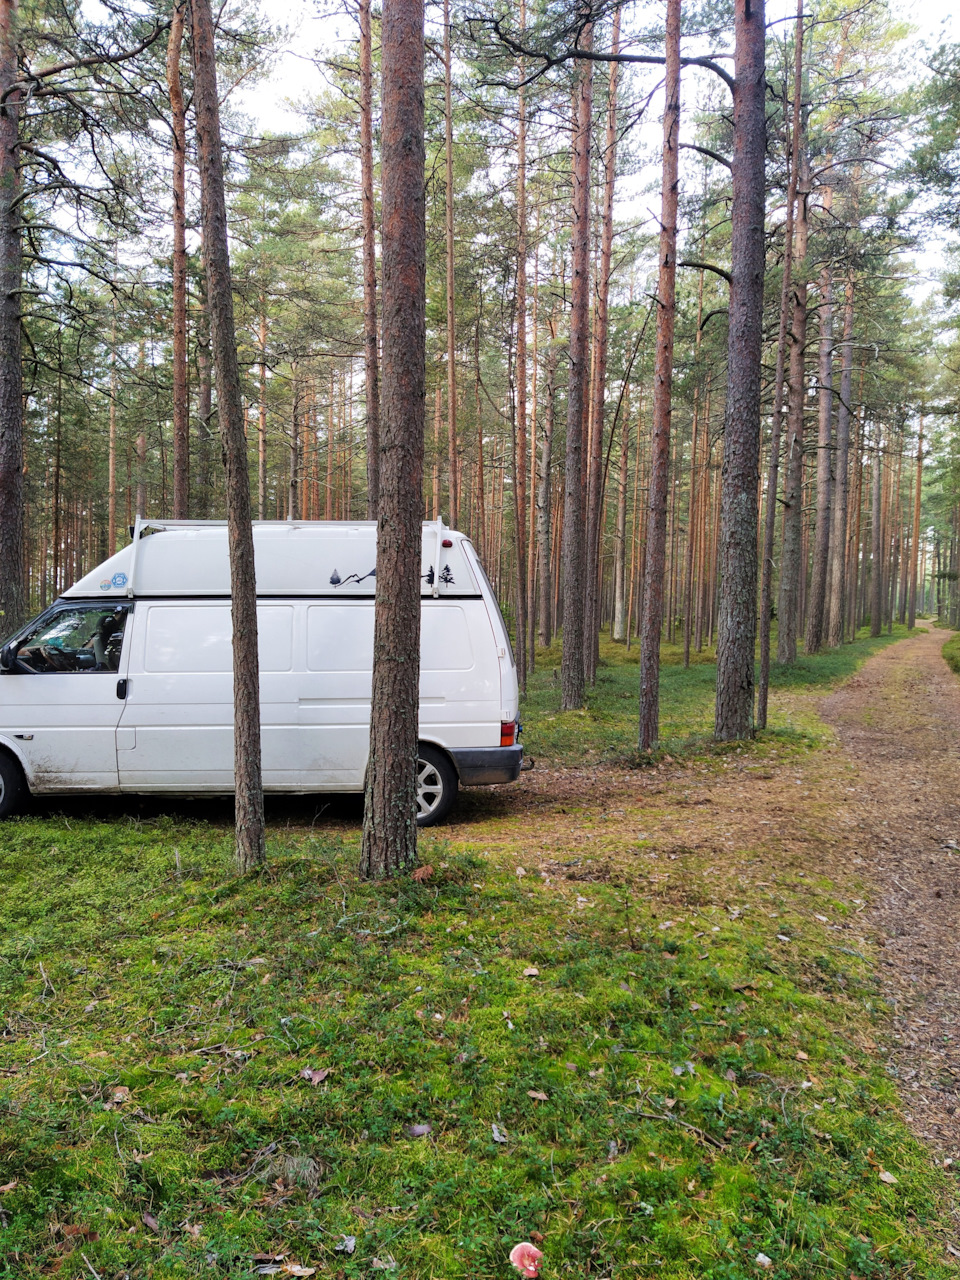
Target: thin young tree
<point>390,808</point>
<point>248,782</point>
<point>12,585</point>
<point>656,545</point>
<point>737,606</point>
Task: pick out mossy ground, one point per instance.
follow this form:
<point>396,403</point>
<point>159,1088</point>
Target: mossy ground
<point>681,1085</point>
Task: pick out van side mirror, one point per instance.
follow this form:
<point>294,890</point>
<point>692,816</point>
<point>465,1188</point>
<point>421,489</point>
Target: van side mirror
<point>8,656</point>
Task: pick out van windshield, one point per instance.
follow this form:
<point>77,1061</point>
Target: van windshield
<point>504,637</point>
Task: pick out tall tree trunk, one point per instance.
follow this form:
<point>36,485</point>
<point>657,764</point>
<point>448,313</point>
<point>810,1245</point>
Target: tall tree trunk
<point>544,496</point>
<point>620,621</point>
<point>915,543</point>
<point>838,528</point>
<point>246,690</point>
<point>876,545</point>
<point>371,359</point>
<point>737,605</point>
<point>656,548</point>
<point>571,669</point>
<point>816,613</point>
<point>452,460</point>
<point>262,417</point>
<point>112,440</point>
<point>791,561</point>
<point>773,474</point>
<point>591,643</point>
<point>13,602</point>
<point>204,496</point>
<point>181,405</point>
<point>390,809</point>
<point>520,417</point>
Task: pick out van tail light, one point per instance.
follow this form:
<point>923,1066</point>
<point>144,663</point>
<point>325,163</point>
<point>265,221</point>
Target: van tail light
<point>508,733</point>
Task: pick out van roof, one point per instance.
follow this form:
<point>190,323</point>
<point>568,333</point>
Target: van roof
<point>293,558</point>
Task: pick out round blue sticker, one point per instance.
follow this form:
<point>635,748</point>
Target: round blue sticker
<point>119,580</point>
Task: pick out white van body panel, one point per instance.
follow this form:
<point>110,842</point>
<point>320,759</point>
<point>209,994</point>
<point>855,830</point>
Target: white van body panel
<point>160,718</point>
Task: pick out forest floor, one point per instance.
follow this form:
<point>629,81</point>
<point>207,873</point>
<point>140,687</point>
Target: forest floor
<point>692,1018</point>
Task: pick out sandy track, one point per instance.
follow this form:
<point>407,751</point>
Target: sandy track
<point>898,720</point>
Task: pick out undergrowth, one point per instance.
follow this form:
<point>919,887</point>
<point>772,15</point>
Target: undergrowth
<point>951,653</point>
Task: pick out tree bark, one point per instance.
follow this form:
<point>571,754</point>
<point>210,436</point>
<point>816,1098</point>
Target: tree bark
<point>651,625</point>
<point>262,417</point>
<point>737,605</point>
<point>791,562</point>
<point>773,473</point>
<point>591,651</point>
<point>246,690</point>
<point>371,359</point>
<point>838,529</point>
<point>390,809</point>
<point>544,495</point>
<point>571,669</point>
<point>816,612</point>
<point>452,460</point>
<point>13,602</point>
<point>915,543</point>
<point>181,406</point>
<point>620,621</point>
<point>520,417</point>
<point>876,545</point>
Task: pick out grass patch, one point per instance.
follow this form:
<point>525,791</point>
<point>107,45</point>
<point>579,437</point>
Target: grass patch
<point>668,1096</point>
<point>951,653</point>
<point>606,728</point>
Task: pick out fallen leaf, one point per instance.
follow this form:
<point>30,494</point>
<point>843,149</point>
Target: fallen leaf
<point>422,873</point>
<point>83,1233</point>
<point>520,873</point>
<point>315,1075</point>
<point>142,1155</point>
<point>763,1261</point>
<point>730,1075</point>
<point>418,1130</point>
<point>499,1135</point>
<point>531,973</point>
<point>886,1177</point>
<point>695,1008</point>
<point>8,1186</point>
<point>294,1269</point>
<point>571,1066</point>
<point>347,1244</point>
<point>389,1263</point>
<point>150,1221</point>
<point>802,1057</point>
<point>536,1093</point>
<point>120,1094</point>
<point>192,1229</point>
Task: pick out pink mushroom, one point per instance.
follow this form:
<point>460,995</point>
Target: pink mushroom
<point>527,1258</point>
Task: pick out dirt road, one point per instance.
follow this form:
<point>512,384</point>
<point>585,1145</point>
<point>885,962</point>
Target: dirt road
<point>898,719</point>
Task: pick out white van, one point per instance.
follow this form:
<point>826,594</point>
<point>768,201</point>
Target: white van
<point>125,683</point>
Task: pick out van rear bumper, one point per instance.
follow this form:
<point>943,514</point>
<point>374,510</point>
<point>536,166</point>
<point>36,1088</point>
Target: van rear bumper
<point>483,766</point>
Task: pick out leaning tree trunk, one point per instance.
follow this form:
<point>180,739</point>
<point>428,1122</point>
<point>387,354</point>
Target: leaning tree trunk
<point>737,606</point>
<point>13,602</point>
<point>371,359</point>
<point>243,585</point>
<point>390,809</point>
<point>651,624</point>
<point>571,669</point>
<point>181,406</point>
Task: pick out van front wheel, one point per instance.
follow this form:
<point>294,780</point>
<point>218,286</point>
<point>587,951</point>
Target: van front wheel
<point>13,787</point>
<point>436,786</point>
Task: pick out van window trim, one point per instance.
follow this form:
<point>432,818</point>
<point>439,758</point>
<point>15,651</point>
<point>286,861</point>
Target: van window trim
<point>272,595</point>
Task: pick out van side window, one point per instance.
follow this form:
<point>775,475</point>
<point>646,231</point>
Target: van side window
<point>75,639</point>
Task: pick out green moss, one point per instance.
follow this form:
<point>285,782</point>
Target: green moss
<point>951,653</point>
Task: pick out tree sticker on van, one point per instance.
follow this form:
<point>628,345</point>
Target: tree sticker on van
<point>337,581</point>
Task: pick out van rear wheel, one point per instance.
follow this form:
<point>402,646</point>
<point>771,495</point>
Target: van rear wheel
<point>437,785</point>
<point>13,786</point>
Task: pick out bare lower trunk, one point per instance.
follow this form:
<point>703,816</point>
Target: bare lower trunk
<point>737,604</point>
<point>390,809</point>
<point>838,529</point>
<point>204,495</point>
<point>791,562</point>
<point>816,612</point>
<point>452,459</point>
<point>371,359</point>
<point>619,629</point>
<point>181,406</point>
<point>656,549</point>
<point>262,418</point>
<point>13,602</point>
<point>246,690</point>
<point>915,543</point>
<point>571,672</point>
<point>599,384</point>
<point>876,547</point>
<point>543,500</point>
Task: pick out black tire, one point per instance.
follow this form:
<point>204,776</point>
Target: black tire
<point>437,785</point>
<point>13,786</point>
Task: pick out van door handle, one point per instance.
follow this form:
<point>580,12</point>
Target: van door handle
<point>121,688</point>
